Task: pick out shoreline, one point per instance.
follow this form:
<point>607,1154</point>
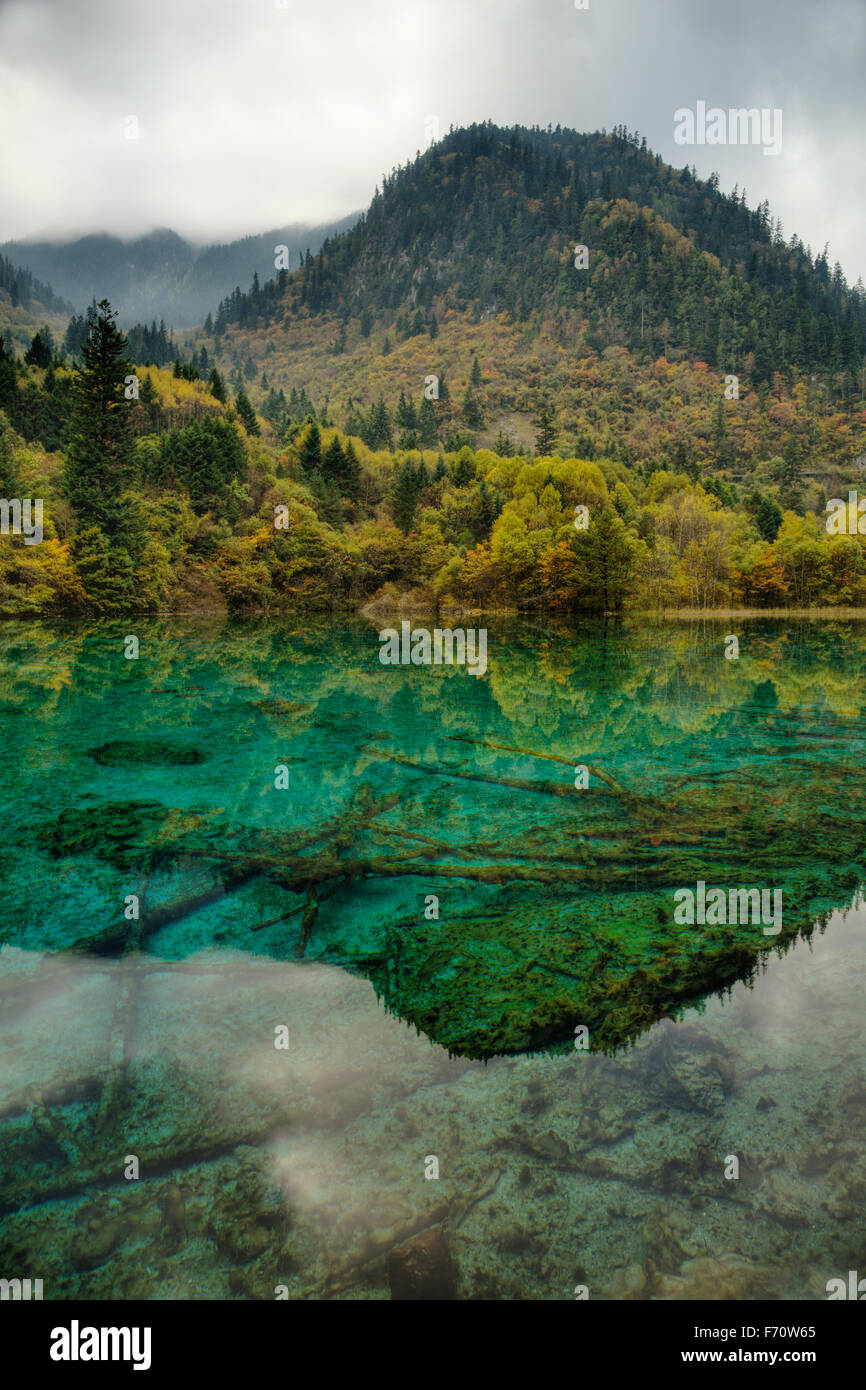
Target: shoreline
<point>835,613</point>
<point>447,615</point>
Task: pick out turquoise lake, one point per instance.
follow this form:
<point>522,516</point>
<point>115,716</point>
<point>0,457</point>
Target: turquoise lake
<point>314,971</point>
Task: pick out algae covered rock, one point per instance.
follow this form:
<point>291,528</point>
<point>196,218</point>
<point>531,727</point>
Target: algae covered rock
<point>422,1269</point>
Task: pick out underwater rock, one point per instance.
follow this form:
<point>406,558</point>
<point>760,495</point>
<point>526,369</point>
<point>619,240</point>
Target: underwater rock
<point>242,1242</point>
<point>847,1179</point>
<point>784,1199</point>
<point>549,1145</point>
<point>536,1099</point>
<point>817,1160</point>
<point>100,1238</point>
<point>697,1081</point>
<point>664,1235</point>
<point>633,1282</point>
<point>708,1278</point>
<point>422,1269</point>
<point>247,1218</point>
<point>171,1205</point>
<point>517,1240</point>
<point>252,1284</point>
<point>605,1125</point>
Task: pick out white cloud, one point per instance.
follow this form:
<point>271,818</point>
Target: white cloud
<point>253,116</point>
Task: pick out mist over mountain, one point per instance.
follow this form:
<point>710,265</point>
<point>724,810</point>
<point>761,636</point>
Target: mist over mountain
<point>25,293</point>
<point>160,275</point>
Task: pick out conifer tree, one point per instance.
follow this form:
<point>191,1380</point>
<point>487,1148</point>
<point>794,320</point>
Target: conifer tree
<point>464,468</point>
<point>792,455</point>
<point>99,456</point>
<point>487,511</point>
<point>768,519</point>
<point>472,412</point>
<point>327,495</point>
<point>334,460</point>
<point>378,427</point>
<point>428,430</point>
<point>243,405</point>
<point>99,466</point>
<point>310,455</point>
<point>41,350</point>
<point>405,496</point>
<point>8,377</point>
<point>405,414</point>
<point>355,422</point>
<point>9,479</point>
<point>545,426</point>
<point>605,560</point>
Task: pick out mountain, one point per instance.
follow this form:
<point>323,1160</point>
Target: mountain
<point>25,292</point>
<point>471,251</point>
<point>488,221</point>
<point>27,306</point>
<point>161,275</point>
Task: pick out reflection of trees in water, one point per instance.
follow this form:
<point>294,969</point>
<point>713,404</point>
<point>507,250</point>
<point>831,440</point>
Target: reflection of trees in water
<point>557,904</point>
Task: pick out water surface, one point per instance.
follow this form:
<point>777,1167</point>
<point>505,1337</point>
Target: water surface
<point>430,908</point>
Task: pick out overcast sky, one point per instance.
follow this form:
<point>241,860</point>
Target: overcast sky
<point>256,113</point>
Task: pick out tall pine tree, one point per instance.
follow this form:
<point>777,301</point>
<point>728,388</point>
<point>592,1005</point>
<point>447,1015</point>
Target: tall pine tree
<point>98,468</point>
<point>310,452</point>
<point>243,406</point>
<point>99,456</point>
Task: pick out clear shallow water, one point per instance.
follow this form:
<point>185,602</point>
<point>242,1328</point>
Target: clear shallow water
<point>306,908</point>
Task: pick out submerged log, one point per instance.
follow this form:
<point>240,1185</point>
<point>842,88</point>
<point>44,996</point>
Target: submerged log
<point>548,757</point>
<point>517,783</point>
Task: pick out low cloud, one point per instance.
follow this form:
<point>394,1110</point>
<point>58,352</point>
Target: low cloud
<point>252,116</point>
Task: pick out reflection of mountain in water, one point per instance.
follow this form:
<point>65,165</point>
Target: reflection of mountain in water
<point>417,791</point>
